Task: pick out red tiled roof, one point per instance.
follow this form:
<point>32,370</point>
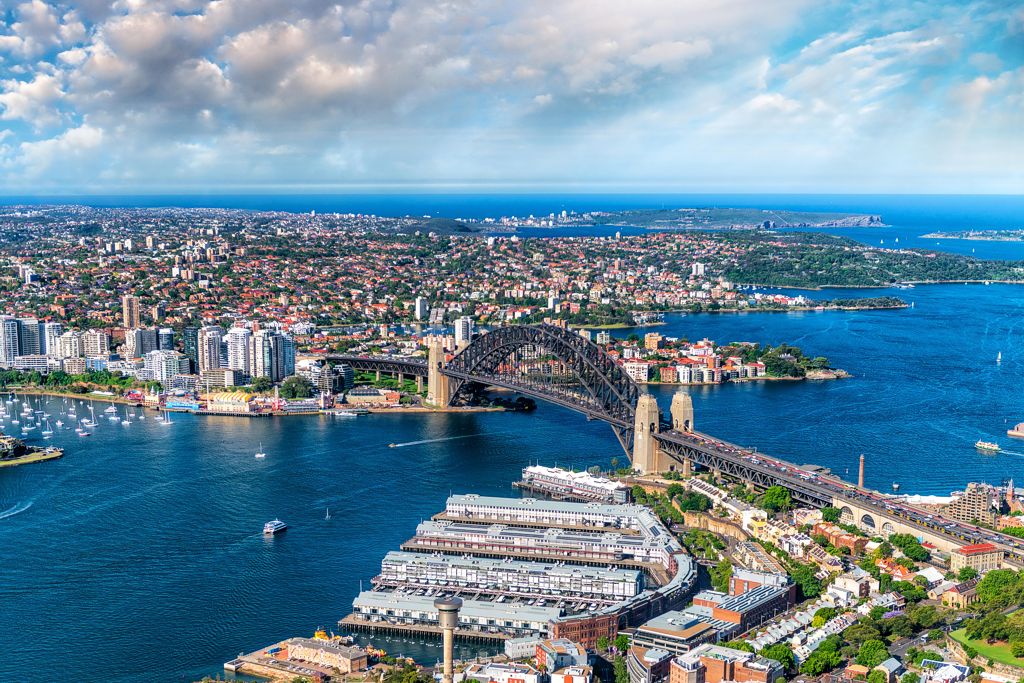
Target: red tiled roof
<point>978,549</point>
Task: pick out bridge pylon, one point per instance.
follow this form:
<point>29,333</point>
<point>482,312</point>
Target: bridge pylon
<point>438,392</point>
<point>646,454</point>
<point>682,421</point>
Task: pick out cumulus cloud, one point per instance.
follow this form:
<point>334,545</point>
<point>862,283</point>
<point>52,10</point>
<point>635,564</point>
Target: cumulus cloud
<point>263,91</point>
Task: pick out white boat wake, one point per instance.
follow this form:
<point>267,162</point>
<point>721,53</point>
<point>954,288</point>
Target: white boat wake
<point>446,438</point>
<point>15,509</point>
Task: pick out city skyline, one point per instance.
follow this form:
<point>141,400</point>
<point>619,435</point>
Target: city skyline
<point>243,95</point>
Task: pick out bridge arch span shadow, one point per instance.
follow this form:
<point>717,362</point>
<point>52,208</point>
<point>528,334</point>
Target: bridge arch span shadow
<point>868,521</point>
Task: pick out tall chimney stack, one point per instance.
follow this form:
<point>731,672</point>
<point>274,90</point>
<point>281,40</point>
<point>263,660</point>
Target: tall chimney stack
<point>448,620</point>
<point>860,475</point>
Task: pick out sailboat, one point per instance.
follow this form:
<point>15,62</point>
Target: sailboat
<point>260,453</point>
<point>328,515</point>
<point>47,432</point>
<point>167,417</point>
<point>999,357</point>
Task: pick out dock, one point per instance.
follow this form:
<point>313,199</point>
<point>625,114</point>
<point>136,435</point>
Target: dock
<point>355,623</point>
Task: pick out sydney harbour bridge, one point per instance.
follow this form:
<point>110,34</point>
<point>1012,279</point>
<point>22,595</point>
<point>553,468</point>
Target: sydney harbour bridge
<point>554,364</point>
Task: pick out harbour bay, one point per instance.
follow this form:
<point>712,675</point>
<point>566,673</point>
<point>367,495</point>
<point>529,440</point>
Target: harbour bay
<point>144,542</point>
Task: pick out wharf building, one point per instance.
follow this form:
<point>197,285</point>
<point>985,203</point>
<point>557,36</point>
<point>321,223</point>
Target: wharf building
<point>472,507</point>
<point>501,540</point>
<point>578,486</point>
<point>531,581</point>
<point>509,577</point>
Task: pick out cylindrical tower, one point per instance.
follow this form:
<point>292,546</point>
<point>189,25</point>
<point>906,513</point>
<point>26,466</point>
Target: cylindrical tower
<point>860,474</point>
<point>448,620</point>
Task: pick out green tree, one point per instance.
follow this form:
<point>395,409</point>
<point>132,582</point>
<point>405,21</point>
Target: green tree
<point>776,498</point>
<point>720,575</point>
<point>804,577</point>
<point>621,673</point>
<point>877,677</point>
<point>872,653</point>
<point>781,653</point>
<point>622,642</point>
<point>910,677</point>
<point>296,387</point>
<point>967,573</point>
<point>602,644</point>
<point>262,385</point>
<point>830,514</point>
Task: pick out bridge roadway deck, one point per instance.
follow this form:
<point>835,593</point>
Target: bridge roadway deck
<point>813,488</point>
<point>809,488</point>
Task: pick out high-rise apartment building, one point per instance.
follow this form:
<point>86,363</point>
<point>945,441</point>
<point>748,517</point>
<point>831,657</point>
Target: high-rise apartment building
<point>50,336</point>
<point>29,343</point>
<point>422,308</point>
<point>463,331</point>
<point>163,365</point>
<point>139,342</point>
<point>209,343</point>
<point>130,311</point>
<point>9,347</point>
<point>239,348</point>
<point>272,355</point>
<point>69,345</point>
<point>95,343</point>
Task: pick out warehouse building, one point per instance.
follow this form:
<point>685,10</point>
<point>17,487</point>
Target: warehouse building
<point>397,609</point>
<point>509,577</point>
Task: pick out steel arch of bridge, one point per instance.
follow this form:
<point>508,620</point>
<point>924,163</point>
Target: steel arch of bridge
<point>405,366</point>
<point>601,390</point>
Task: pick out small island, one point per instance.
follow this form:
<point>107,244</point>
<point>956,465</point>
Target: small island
<point>978,235</point>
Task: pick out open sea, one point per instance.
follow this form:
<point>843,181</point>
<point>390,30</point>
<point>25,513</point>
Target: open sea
<point>138,556</point>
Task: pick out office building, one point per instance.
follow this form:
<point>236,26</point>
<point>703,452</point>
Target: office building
<point>190,340</point>
<point>130,311</point>
<point>165,339</point>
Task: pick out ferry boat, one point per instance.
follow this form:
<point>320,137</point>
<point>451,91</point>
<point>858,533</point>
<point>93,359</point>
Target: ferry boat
<point>272,527</point>
<point>987,446</point>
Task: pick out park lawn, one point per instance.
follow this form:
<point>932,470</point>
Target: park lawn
<point>999,652</point>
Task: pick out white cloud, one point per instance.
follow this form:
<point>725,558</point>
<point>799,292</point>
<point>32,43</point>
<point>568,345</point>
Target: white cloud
<point>33,101</point>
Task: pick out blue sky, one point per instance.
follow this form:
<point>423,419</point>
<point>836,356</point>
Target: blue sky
<point>668,95</point>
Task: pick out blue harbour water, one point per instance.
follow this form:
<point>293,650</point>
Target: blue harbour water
<point>138,556</point>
